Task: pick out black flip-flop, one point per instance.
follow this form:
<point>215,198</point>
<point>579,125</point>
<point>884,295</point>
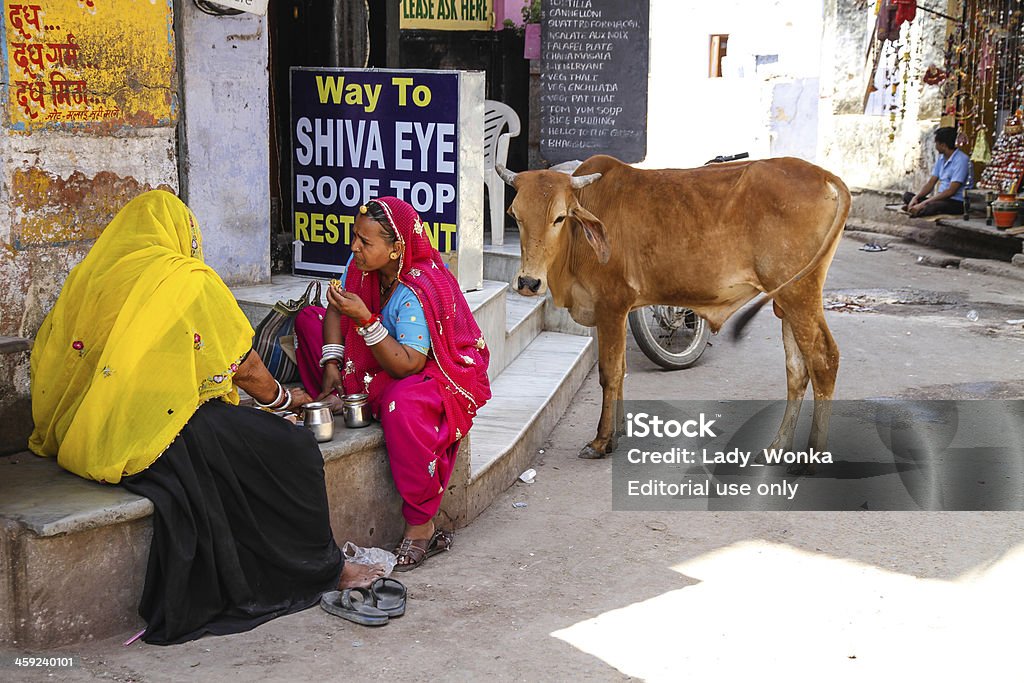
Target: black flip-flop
<point>389,596</point>
<point>361,611</point>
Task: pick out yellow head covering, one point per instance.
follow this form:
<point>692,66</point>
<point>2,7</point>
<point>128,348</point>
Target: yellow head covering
<point>142,333</point>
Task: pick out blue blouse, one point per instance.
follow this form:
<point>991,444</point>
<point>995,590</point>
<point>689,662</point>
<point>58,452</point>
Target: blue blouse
<point>403,317</point>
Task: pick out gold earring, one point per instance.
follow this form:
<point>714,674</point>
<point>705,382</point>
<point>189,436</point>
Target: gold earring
<point>394,256</point>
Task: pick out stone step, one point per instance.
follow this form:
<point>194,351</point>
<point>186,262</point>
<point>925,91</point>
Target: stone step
<point>501,263</point>
<point>971,238</point>
<point>528,400</point>
<point>488,306</point>
<point>14,344</point>
<point>524,321</point>
<point>256,301</point>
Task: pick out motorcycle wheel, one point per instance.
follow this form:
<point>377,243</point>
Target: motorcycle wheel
<point>671,336</point>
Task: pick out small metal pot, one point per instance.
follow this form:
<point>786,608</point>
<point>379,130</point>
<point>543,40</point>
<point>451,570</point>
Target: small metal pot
<point>356,410</point>
<point>318,419</point>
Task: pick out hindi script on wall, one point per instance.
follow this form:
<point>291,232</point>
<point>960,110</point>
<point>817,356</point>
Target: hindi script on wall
<point>75,63</point>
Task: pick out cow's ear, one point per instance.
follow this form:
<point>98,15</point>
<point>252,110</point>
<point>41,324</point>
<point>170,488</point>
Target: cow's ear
<point>594,230</point>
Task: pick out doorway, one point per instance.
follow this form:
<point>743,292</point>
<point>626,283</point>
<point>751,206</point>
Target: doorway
<point>353,33</point>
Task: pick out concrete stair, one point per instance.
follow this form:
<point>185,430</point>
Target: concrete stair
<point>73,553</point>
<point>501,263</point>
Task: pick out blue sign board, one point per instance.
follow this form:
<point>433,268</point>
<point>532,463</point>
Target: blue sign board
<point>364,133</point>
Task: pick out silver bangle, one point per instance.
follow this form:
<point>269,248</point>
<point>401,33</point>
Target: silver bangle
<point>331,356</point>
<point>288,400</point>
<point>375,334</point>
<point>277,397</point>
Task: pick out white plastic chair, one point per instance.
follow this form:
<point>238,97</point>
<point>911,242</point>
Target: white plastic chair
<point>497,115</point>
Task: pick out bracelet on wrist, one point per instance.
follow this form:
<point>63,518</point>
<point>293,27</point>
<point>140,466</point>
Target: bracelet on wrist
<point>328,357</point>
<point>367,330</point>
<point>375,334</point>
<point>277,397</point>
<point>287,400</point>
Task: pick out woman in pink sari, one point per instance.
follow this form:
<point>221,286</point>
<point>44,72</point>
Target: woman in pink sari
<point>401,331</point>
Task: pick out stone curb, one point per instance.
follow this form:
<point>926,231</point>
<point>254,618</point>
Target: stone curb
<point>862,231</point>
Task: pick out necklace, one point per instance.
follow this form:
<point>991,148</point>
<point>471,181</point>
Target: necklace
<point>385,290</point>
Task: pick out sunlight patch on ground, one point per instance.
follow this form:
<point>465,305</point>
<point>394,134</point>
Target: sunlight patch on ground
<point>777,613</point>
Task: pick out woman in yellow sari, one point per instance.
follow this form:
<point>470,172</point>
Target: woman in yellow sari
<point>134,376</point>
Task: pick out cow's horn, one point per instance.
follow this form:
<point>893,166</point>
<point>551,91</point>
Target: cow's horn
<point>505,174</point>
<point>584,180</point>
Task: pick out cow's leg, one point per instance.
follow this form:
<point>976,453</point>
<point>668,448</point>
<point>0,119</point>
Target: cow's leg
<point>824,368</point>
<point>821,354</point>
<point>796,387</point>
<point>611,352</point>
<point>620,407</point>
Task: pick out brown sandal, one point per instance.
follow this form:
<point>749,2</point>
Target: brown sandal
<point>411,553</point>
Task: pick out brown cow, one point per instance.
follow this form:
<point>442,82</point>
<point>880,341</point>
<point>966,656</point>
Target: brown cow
<point>611,238</point>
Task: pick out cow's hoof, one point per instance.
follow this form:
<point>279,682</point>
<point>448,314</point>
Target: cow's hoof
<point>589,453</point>
<point>802,470</point>
<point>759,459</point>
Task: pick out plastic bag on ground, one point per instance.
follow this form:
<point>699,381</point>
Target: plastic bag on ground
<point>368,556</point>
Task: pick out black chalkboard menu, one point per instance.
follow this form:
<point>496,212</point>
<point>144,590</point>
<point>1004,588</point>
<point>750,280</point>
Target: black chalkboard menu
<point>593,80</point>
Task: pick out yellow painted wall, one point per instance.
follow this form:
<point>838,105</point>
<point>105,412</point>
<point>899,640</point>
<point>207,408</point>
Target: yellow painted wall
<point>87,122</point>
<point>88,64</point>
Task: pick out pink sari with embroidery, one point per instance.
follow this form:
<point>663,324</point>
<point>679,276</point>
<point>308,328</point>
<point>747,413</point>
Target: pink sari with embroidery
<point>426,415</point>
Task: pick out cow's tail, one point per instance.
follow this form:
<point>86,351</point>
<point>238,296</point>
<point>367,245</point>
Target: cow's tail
<point>835,232</point>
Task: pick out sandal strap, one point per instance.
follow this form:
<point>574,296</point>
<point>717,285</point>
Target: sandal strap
<point>441,541</point>
<point>364,598</point>
<point>412,549</point>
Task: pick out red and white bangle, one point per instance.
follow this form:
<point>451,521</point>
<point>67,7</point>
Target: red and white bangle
<point>362,325</point>
<point>372,330</point>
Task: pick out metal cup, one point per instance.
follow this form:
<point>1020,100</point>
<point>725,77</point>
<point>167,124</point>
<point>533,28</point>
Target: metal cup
<point>356,410</point>
<point>318,419</point>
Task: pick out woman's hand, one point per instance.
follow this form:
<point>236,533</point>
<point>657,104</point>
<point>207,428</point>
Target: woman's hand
<point>331,381</point>
<point>334,293</point>
<point>299,399</point>
<point>347,303</point>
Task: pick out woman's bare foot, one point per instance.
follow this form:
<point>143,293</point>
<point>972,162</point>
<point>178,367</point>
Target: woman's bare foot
<point>359,575</point>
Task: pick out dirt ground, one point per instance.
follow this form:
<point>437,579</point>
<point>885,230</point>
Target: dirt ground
<point>565,588</point>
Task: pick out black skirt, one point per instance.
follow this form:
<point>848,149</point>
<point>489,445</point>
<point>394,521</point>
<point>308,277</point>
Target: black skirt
<point>241,532</point>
